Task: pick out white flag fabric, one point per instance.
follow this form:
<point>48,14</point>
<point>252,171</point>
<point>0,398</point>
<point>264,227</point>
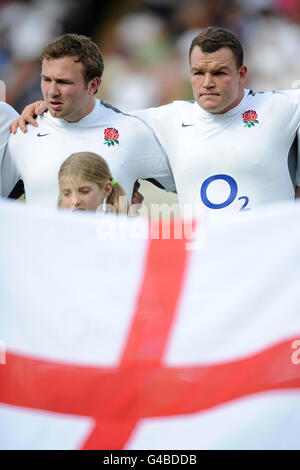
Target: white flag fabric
<point>111,340</point>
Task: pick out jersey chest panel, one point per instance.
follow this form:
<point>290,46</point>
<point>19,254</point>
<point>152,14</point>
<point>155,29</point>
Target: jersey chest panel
<point>42,153</point>
<point>222,165</point>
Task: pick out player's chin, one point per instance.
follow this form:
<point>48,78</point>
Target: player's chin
<point>209,102</point>
<point>57,111</point>
<point>58,114</point>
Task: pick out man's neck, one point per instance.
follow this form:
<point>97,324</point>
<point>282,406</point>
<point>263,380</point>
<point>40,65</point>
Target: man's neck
<point>86,112</point>
<point>234,104</point>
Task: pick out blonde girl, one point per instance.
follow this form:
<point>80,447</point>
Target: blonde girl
<point>86,183</point>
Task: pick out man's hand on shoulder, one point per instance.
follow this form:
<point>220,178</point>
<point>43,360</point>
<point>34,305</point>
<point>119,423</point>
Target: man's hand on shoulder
<point>29,116</point>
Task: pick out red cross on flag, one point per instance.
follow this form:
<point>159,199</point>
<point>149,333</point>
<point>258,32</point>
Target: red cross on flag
<point>111,340</point>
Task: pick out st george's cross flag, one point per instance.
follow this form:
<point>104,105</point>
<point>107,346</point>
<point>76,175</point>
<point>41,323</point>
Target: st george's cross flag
<point>113,340</point>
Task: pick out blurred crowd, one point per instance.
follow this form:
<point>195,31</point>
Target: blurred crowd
<point>145,43</point>
<point>25,27</point>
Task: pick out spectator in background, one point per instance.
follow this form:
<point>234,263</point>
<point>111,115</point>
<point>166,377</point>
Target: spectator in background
<point>25,27</point>
<point>138,38</point>
<point>163,74</point>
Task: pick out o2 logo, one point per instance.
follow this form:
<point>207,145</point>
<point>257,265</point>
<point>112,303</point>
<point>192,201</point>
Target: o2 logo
<point>232,196</point>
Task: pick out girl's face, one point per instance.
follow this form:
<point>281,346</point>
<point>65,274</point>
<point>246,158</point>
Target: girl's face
<point>82,195</point>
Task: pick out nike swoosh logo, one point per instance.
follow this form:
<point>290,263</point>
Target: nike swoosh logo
<point>41,135</point>
<point>187,125</point>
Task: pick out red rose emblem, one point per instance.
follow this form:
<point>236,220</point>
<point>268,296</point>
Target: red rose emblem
<point>111,133</point>
<point>250,118</point>
<point>111,136</point>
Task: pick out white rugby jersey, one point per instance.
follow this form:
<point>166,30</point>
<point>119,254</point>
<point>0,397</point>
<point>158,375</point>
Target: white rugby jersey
<point>234,160</point>
<point>7,116</point>
<point>125,142</point>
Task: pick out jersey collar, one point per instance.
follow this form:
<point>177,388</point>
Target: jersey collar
<point>207,116</point>
<point>60,122</point>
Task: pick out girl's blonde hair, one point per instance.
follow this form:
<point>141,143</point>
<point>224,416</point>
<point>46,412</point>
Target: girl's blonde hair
<point>91,167</point>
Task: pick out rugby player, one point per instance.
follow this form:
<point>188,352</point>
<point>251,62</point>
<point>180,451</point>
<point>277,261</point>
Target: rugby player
<point>72,67</point>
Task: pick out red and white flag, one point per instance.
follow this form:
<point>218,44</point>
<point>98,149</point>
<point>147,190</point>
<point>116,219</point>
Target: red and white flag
<point>110,340</point>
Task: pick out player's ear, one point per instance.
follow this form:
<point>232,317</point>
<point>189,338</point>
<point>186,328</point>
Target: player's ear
<point>243,73</point>
<point>94,85</point>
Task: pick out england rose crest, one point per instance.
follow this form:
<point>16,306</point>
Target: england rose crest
<point>250,118</point>
<point>111,136</point>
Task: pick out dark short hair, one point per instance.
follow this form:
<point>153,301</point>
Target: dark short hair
<point>212,39</point>
<point>81,47</point>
